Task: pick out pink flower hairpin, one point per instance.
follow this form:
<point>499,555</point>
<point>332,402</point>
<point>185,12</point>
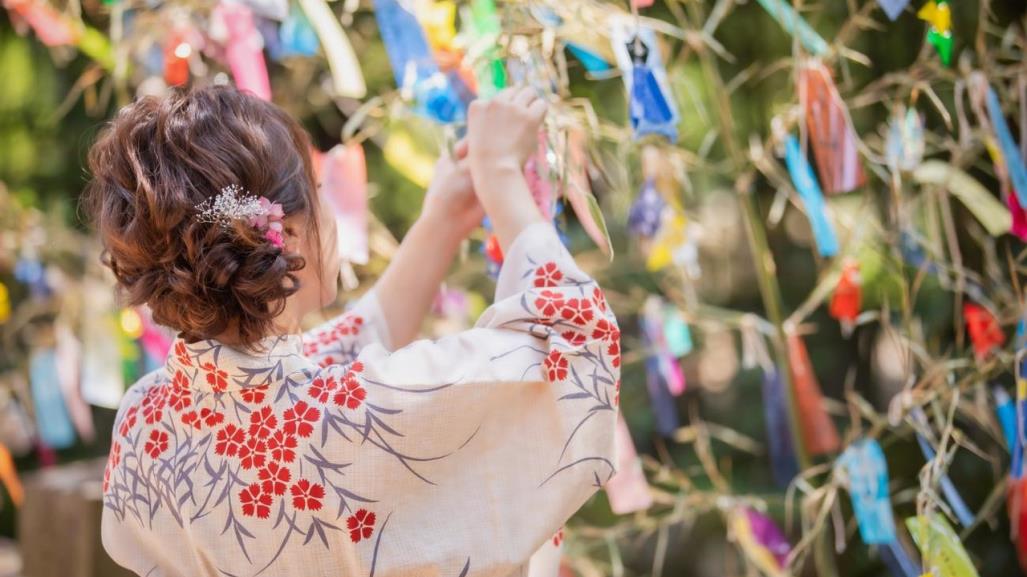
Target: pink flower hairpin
<point>233,203</point>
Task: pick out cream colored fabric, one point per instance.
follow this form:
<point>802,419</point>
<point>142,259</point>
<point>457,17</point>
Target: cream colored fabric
<point>330,455</point>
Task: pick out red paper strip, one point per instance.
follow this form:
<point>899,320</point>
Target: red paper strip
<point>176,58</point>
<point>819,433</point>
<point>848,297</point>
<point>830,134</point>
<point>985,332</point>
<point>52,28</point>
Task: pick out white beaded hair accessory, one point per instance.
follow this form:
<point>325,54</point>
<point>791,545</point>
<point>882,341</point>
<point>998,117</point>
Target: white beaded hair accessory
<point>233,203</point>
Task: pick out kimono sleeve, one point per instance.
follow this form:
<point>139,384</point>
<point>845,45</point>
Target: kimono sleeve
<point>488,440</point>
<point>340,340</point>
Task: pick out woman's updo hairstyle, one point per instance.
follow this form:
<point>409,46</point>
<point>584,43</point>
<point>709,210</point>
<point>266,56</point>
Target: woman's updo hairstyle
<point>160,158</point>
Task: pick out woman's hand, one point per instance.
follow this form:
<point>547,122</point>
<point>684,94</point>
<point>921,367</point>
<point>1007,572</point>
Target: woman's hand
<point>504,130</point>
<point>502,134</point>
<point>450,202</point>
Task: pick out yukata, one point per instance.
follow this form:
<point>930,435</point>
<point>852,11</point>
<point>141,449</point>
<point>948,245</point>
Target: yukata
<point>327,454</point>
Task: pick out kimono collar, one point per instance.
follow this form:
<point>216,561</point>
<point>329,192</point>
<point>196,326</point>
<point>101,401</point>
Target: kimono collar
<point>214,366</point>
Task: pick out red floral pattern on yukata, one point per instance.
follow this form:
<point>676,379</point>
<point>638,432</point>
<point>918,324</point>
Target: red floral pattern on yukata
<point>247,445</point>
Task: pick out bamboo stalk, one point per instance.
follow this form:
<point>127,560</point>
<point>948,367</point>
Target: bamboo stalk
<point>770,291</point>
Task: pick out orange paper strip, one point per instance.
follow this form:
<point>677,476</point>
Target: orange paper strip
<point>9,477</point>
<point>819,433</point>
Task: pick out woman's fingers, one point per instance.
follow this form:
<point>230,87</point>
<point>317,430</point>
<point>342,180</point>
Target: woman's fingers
<point>524,97</point>
<point>460,149</point>
<point>537,109</point>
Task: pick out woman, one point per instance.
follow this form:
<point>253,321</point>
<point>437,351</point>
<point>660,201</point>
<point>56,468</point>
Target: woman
<point>349,450</point>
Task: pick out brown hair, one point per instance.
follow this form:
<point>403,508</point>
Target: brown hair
<point>157,160</point>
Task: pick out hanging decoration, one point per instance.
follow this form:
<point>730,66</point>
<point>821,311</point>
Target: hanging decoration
<point>9,477</point>
<point>847,298</point>
<point>654,318</point>
<point>234,26</point>
<point>805,183</point>
<point>959,507</point>
<point>893,8</point>
<point>651,106</point>
<point>1005,412</point>
<point>904,146</point>
<point>818,430</point>
<point>413,64</point>
<point>994,217</point>
<point>831,136</point>
<point>343,178</point>
<point>52,419</point>
<point>985,332</point>
<point>866,474</point>
<point>940,547</point>
<point>794,24</point>
<point>761,540</point>
<point>298,37</point>
<point>347,79</point>
<point>440,62</point>
<point>939,15</point>
<point>483,30</point>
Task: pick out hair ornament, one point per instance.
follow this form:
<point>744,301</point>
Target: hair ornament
<point>233,203</point>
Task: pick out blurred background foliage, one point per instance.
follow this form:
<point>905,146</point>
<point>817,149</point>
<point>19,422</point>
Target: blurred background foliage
<point>53,101</point>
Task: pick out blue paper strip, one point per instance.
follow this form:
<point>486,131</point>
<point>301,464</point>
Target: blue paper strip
<point>1005,410</point>
<point>662,402</point>
<point>893,8</point>
<point>590,60</point>
<point>959,508</point>
<point>297,35</point>
<point>794,24</point>
<point>646,212</point>
<point>868,486</point>
<point>1021,421</point>
<point>650,108</point>
<point>897,560</point>
<point>805,182</point>
<point>1010,151</point>
<point>413,63</point>
<point>783,463</point>
<point>52,418</point>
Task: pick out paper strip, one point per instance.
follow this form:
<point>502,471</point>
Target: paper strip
<point>344,186</point>
<point>831,136</point>
<point>1010,151</point>
<point>940,547</point>
<point>867,473</point>
<point>789,19</point>
<point>818,430</point>
<point>52,419</point>
<point>243,48</point>
<point>893,8</point>
<point>347,79</point>
<point>994,217</point>
<point>783,462</point>
<point>805,183</point>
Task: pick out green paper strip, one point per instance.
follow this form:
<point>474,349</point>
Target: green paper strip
<point>942,551</point>
<point>990,212</point>
<point>484,30</point>
<point>795,25</point>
